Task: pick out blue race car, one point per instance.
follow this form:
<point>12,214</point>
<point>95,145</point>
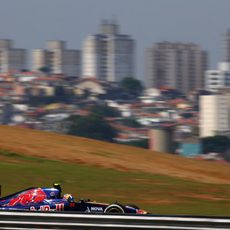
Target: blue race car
<point>50,199</point>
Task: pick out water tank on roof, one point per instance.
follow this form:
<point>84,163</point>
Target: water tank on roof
<point>161,140</point>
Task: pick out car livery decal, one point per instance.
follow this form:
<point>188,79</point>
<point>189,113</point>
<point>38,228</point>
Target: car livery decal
<point>58,207</point>
<point>27,197</point>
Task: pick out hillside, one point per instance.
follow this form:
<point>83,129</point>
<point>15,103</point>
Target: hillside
<point>159,183</point>
<point>106,155</point>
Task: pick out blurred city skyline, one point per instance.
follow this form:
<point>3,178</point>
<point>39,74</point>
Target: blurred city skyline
<point>31,23</point>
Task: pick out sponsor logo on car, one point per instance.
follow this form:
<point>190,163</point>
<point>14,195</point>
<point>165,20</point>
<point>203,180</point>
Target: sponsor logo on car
<point>58,207</point>
<point>96,209</point>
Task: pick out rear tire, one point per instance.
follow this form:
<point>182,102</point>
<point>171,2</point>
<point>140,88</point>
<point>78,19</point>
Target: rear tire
<point>114,208</point>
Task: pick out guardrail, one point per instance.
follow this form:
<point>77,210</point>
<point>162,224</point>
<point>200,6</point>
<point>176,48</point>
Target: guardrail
<point>66,220</point>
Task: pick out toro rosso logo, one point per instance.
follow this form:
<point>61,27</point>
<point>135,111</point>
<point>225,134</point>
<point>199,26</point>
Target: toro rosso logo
<point>31,196</point>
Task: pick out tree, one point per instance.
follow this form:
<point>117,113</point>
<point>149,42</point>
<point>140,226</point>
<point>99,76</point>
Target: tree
<point>59,91</point>
<point>104,111</point>
<point>139,143</point>
<point>131,122</point>
<point>45,69</point>
<point>92,126</point>
<point>132,86</point>
<point>218,144</point>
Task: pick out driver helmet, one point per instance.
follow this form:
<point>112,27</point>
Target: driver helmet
<point>68,197</point>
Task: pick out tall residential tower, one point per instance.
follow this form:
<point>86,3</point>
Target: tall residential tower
<point>58,59</point>
<point>214,115</point>
<point>108,55</point>
<point>11,58</point>
<point>175,65</point>
<point>227,46</point>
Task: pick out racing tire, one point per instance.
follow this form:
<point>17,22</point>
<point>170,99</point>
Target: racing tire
<point>114,208</point>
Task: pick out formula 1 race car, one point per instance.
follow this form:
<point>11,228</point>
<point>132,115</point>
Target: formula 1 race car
<point>50,199</point>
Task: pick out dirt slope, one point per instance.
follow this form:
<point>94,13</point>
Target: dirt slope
<point>102,154</point>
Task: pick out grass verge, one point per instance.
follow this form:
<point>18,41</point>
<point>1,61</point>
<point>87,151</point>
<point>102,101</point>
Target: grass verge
<point>158,194</point>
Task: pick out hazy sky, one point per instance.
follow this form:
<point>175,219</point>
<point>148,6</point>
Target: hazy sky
<point>31,22</point>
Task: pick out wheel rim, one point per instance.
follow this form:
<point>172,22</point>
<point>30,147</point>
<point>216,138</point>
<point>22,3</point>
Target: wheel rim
<point>115,210</point>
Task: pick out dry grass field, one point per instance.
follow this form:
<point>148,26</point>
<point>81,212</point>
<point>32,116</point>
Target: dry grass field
<point>158,182</point>
<point>125,158</point>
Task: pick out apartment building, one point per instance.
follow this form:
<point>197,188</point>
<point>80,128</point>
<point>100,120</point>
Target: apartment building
<point>108,55</point>
<point>175,65</point>
<point>227,46</point>
<point>214,115</point>
<point>11,59</point>
<point>218,79</point>
<point>58,59</point>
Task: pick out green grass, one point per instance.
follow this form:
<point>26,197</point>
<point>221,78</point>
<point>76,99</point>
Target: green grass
<point>156,193</point>
<point>7,153</point>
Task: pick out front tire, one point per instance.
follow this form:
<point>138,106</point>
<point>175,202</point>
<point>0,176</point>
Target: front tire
<point>114,208</point>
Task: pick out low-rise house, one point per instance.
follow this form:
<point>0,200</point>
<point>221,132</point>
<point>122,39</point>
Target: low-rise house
<point>91,86</point>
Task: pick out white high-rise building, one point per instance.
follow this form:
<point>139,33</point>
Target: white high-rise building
<point>108,55</point>
<point>58,59</point>
<point>214,115</point>
<point>40,58</point>
<point>217,79</point>
<point>11,58</point>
